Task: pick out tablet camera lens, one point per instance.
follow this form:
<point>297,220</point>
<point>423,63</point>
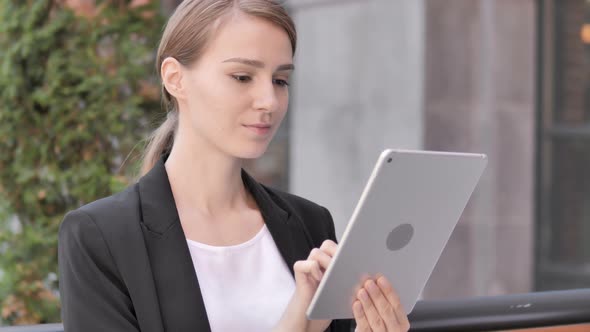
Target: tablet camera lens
<point>389,160</point>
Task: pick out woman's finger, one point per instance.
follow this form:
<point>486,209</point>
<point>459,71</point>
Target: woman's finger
<point>375,322</point>
<point>362,324</point>
<point>329,247</point>
<point>321,257</point>
<point>384,308</point>
<point>308,268</point>
<point>393,298</point>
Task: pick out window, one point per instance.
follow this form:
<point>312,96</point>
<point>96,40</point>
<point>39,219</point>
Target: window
<point>563,201</point>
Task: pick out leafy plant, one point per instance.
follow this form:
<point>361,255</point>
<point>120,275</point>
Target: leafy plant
<point>77,90</point>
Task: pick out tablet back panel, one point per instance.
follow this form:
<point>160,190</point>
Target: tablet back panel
<point>403,220</point>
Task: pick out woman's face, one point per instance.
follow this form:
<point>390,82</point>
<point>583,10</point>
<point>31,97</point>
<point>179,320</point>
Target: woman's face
<point>237,92</point>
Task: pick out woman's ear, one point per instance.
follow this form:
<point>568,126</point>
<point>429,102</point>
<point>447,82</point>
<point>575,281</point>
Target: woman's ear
<point>171,71</point>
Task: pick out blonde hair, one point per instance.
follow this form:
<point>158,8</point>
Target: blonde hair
<point>186,34</point>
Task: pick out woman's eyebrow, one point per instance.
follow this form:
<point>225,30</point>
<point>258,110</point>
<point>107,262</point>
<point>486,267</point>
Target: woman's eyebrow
<point>289,66</point>
<point>259,64</point>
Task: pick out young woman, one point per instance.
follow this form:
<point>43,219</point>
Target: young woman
<point>197,244</point>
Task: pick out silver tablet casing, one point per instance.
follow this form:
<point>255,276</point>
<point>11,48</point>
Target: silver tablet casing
<point>425,189</point>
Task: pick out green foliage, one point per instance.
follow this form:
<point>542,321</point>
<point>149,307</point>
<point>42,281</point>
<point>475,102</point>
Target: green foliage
<point>76,92</point>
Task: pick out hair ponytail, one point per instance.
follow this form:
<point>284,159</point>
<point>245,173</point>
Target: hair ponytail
<point>160,141</point>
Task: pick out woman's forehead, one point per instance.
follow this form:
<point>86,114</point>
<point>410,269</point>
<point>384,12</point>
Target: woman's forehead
<point>249,37</point>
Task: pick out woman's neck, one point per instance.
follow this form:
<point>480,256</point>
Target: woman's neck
<point>205,181</point>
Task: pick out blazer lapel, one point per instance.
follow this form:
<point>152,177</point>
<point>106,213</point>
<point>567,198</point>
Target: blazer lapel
<point>181,303</point>
<point>285,227</point>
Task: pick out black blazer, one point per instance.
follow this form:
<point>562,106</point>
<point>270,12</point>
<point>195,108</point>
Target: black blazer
<point>124,262</point>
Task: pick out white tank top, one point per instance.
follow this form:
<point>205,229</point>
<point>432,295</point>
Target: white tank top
<point>245,287</point>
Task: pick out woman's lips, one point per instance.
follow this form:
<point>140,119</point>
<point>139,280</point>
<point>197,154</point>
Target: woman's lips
<point>259,129</point>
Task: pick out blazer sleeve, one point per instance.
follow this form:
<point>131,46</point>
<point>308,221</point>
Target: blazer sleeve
<point>93,295</point>
<point>337,325</point>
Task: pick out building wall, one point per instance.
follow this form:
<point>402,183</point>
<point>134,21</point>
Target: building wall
<point>357,90</point>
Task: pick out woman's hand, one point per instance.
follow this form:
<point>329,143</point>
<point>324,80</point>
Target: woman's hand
<point>378,308</point>
<point>308,274</point>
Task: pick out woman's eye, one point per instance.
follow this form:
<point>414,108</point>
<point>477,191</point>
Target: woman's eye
<point>281,82</point>
<point>242,78</point>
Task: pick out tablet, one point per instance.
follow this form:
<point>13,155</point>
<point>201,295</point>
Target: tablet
<point>399,228</point>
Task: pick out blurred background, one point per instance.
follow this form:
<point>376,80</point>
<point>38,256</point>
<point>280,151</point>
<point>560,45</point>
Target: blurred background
<point>510,78</point>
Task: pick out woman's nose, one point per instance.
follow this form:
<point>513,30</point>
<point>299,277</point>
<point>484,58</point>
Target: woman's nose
<point>265,97</point>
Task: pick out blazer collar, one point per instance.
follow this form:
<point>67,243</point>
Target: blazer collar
<point>181,303</point>
<point>157,202</point>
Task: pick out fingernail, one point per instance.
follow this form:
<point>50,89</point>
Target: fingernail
<point>363,295</point>
<point>357,306</point>
<point>382,282</point>
<point>371,285</point>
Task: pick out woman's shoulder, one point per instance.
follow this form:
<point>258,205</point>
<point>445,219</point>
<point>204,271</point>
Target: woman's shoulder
<point>108,215</point>
<point>123,202</point>
<point>316,218</point>
<point>100,245</point>
<point>295,203</point>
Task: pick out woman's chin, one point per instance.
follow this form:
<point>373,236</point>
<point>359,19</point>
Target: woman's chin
<point>252,152</point>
